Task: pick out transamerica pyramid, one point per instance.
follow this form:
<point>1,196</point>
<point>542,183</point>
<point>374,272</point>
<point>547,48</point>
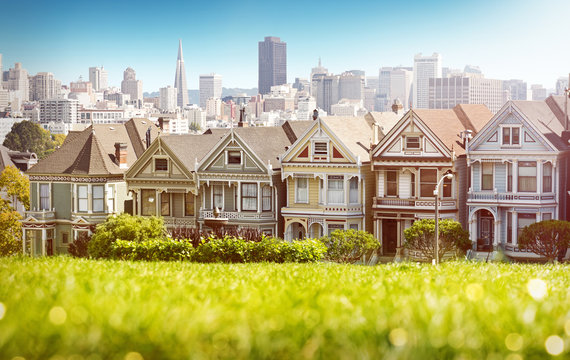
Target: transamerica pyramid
<point>180,79</point>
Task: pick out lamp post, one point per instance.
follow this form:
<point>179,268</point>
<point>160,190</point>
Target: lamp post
<point>436,194</point>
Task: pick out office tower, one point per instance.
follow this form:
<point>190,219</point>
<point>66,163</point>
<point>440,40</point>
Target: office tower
<point>517,90</point>
<point>561,84</point>
<point>369,98</point>
<point>372,82</point>
<point>446,93</point>
<point>325,88</point>
<point>59,111</point>
<point>425,68</point>
<point>351,85</point>
<point>272,64</point>
<point>168,100</point>
<point>180,79</point>
<point>18,82</point>
<point>130,85</point>
<point>394,83</point>
<point>305,108</point>
<point>44,86</point>
<point>319,70</point>
<point>210,87</point>
<point>98,78</point>
<point>538,92</point>
<point>1,72</point>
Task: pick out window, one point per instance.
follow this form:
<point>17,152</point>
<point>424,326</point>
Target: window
<point>354,227</point>
<point>148,207</point>
<point>44,196</point>
<point>353,192</point>
<point>546,216</point>
<point>249,197</point>
<point>428,181</point>
<point>320,148</point>
<point>321,191</point>
<point>234,157</point>
<point>509,177</point>
<point>333,227</point>
<point>412,142</point>
<point>188,204</point>
<point>165,204</point>
<point>65,237</point>
<point>391,183</point>
<point>98,198</point>
<point>486,176</point>
<point>218,194</point>
<point>511,136</point>
<point>525,220</point>
<point>160,164</point>
<point>527,176</point>
<point>335,190</point>
<point>509,227</point>
<point>413,185</point>
<point>447,188</point>
<point>111,198</point>
<point>302,190</point>
<point>82,198</point>
<point>266,198</point>
<point>547,177</point>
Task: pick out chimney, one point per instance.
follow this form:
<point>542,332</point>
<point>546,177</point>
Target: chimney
<point>164,125</point>
<point>242,122</point>
<point>397,106</point>
<point>121,154</point>
<point>315,114</point>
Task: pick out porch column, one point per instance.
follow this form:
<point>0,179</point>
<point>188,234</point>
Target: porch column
<point>238,196</point>
<point>473,230</point>
<point>515,229</point>
<point>258,197</point>
<point>139,202</point>
<point>346,182</point>
<point>24,241</point>
<point>399,232</point>
<point>89,198</point>
<point>497,237</point>
<point>44,242</point>
<point>515,176</point>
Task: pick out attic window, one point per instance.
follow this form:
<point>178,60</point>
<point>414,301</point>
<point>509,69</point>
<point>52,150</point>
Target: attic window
<point>160,164</point>
<point>234,157</point>
<point>320,148</point>
<point>412,142</point>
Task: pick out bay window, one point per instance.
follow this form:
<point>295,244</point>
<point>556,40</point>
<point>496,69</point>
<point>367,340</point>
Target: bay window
<point>547,177</point>
<point>509,177</point>
<point>188,204</point>
<point>82,201</point>
<point>165,204</point>
<point>486,176</point>
<point>447,187</point>
<point>428,181</point>
<point>218,196</point>
<point>525,220</point>
<point>335,190</point>
<point>98,198</point>
<point>266,198</point>
<point>527,176</point>
<point>148,207</point>
<point>44,196</point>
<point>391,183</point>
<point>353,192</point>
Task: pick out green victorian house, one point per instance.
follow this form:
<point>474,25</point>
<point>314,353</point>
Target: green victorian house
<point>81,183</point>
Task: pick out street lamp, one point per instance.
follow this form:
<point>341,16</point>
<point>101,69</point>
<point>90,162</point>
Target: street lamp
<point>436,194</point>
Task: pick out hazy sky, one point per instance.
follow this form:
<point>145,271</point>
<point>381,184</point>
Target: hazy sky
<point>521,39</point>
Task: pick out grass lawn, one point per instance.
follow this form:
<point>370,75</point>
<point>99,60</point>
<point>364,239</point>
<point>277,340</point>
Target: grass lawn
<point>63,308</point>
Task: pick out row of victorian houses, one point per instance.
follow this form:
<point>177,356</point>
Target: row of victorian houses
<point>308,178</point>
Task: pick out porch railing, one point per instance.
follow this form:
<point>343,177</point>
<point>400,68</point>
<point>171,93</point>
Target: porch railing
<point>238,215</point>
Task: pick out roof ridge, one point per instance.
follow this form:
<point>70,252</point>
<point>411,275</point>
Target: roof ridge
<point>80,155</point>
<point>98,148</point>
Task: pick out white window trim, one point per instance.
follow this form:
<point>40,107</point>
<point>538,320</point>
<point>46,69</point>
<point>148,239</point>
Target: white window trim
<point>227,157</point>
<point>397,183</point>
<point>154,164</point>
<point>481,176</point>
<point>296,191</point>
<point>40,196</point>
<point>511,126</point>
<point>327,142</point>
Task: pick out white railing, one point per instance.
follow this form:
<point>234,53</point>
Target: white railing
<point>414,203</point>
<point>495,197</point>
<point>41,214</point>
<point>238,215</point>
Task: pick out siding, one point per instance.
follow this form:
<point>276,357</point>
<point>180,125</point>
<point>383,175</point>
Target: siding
<point>177,205</point>
<point>404,185</point>
<point>281,188</point>
<point>61,200</point>
<point>501,177</point>
<point>208,195</point>
<point>380,183</point>
<point>121,196</point>
<point>461,182</point>
<point>476,170</point>
<point>369,184</point>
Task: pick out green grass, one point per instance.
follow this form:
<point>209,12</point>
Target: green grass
<point>64,308</point>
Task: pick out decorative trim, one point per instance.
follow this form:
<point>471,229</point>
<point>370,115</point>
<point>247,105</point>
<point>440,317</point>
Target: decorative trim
<point>75,179</point>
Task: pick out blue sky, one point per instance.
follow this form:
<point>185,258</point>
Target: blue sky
<point>522,39</point>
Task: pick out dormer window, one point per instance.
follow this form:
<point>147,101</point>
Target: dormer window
<point>511,135</point>
<point>320,148</point>
<point>160,164</point>
<point>234,157</point>
<point>413,142</point>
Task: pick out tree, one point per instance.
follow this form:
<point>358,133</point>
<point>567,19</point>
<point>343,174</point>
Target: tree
<point>349,246</point>
<point>16,185</point>
<point>549,238</point>
<point>421,237</point>
<point>195,127</point>
<point>29,136</point>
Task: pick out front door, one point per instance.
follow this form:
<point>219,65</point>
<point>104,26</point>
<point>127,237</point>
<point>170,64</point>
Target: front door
<point>486,232</point>
<point>389,236</point>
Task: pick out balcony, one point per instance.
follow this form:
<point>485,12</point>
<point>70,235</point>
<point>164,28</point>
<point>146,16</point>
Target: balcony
<point>417,204</point>
<point>338,210</point>
<point>518,198</point>
<point>239,215</point>
<point>41,215</point>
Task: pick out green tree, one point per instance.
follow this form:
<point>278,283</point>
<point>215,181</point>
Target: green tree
<point>16,185</point>
<point>195,127</point>
<point>10,229</point>
<point>29,136</point>
<point>549,238</point>
<point>348,246</point>
<point>421,237</point>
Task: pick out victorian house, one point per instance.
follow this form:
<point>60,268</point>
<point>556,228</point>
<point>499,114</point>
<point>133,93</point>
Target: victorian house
<point>328,179</point>
<point>81,183</point>
<point>410,161</point>
<point>184,178</point>
<point>519,173</point>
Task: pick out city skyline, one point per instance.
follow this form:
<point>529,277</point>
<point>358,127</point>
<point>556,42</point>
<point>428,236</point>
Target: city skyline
<point>508,40</point>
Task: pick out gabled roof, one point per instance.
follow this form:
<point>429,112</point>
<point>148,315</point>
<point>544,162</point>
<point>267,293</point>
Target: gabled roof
<point>355,133</point>
<point>92,151</point>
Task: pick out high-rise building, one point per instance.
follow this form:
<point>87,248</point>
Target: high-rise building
<point>538,92</point>
<point>44,86</point>
<point>272,63</point>
<point>515,90</point>
<point>168,100</point>
<point>98,78</point>
<point>446,93</point>
<point>561,84</point>
<point>130,85</point>
<point>351,85</point>
<point>180,79</point>
<point>1,72</point>
<point>18,81</point>
<point>394,83</point>
<point>58,111</point>
<point>325,88</point>
<point>319,70</point>
<point>425,68</point>
<point>210,87</point>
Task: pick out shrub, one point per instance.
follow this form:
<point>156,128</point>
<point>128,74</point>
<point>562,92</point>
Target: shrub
<point>152,250</point>
<point>348,246</point>
<point>125,227</point>
<point>78,248</point>
<point>421,237</point>
<point>549,238</point>
<point>302,251</point>
<point>227,249</point>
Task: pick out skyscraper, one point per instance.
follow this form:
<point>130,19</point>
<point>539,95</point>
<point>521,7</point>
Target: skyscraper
<point>0,71</point>
<point>18,81</point>
<point>425,68</point>
<point>98,78</point>
<point>130,85</point>
<point>44,86</point>
<point>180,79</point>
<point>210,87</point>
<point>272,64</point>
